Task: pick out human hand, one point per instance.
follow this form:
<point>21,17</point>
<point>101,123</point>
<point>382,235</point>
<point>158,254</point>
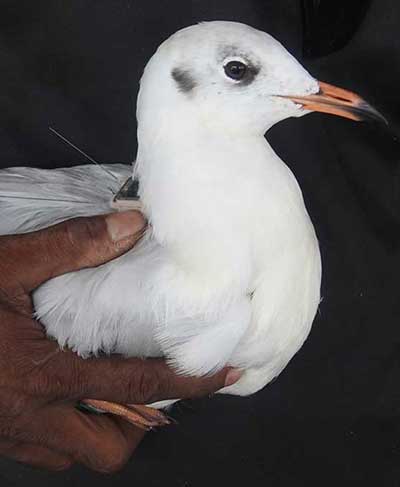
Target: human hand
<point>40,385</point>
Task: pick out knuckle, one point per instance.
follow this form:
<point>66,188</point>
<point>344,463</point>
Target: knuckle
<point>90,232</point>
<point>112,460</point>
<point>49,385</point>
<point>18,405</point>
<point>83,227</point>
<point>45,383</point>
<point>146,385</point>
<point>13,404</point>
<point>56,376</point>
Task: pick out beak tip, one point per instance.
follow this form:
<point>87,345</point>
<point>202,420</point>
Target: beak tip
<point>369,113</point>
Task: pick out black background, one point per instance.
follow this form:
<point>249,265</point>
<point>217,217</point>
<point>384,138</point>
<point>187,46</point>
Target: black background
<point>332,417</point>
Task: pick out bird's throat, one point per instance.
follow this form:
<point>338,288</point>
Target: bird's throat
<point>207,197</point>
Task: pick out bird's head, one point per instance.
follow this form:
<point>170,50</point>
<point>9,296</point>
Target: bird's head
<point>229,76</point>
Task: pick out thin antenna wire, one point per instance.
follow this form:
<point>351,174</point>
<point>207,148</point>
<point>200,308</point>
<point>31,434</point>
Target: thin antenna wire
<point>83,153</point>
<point>42,199</point>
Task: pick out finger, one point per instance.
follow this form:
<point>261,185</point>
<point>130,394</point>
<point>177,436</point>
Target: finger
<point>135,381</point>
<point>35,455</point>
<point>101,443</point>
<point>35,257</point>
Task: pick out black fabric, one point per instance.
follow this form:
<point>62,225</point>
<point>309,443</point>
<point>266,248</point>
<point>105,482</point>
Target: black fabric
<point>332,417</point>
<point>328,26</point>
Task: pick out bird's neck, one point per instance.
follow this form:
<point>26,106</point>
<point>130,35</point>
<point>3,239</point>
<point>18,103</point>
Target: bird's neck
<point>206,192</point>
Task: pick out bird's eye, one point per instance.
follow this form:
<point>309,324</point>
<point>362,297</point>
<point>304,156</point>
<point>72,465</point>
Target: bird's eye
<point>235,70</point>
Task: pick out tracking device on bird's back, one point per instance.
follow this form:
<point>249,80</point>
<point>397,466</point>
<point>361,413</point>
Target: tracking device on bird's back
<point>127,197</point>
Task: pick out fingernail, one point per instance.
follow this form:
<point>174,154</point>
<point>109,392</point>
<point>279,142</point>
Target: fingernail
<point>233,376</point>
<point>124,224</point>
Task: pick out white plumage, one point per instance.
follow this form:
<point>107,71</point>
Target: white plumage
<point>229,271</point>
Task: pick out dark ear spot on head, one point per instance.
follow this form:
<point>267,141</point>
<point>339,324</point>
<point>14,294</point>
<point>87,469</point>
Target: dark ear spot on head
<point>183,79</point>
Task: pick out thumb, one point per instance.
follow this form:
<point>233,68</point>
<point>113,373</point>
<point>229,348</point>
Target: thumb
<point>32,258</point>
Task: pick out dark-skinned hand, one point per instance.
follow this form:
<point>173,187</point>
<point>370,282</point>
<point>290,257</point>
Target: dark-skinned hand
<point>40,385</point>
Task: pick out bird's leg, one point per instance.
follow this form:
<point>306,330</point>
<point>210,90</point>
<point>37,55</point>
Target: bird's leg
<point>152,414</point>
<point>143,417</point>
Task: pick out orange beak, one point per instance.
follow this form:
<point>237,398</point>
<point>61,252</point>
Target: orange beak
<point>337,101</point>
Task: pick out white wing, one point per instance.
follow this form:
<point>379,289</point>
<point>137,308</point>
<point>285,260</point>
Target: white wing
<point>140,304</point>
<point>31,198</point>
